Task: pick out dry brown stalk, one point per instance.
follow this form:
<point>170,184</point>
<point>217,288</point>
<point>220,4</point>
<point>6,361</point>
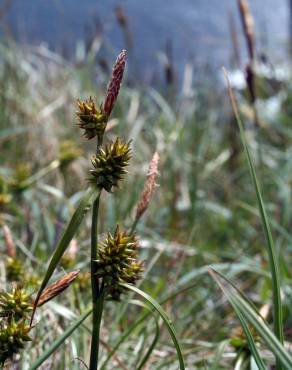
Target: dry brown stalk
<point>248,27</point>
<point>9,243</point>
<point>250,81</point>
<point>250,76</point>
<point>234,40</point>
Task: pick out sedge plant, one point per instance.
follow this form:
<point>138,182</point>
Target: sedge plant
<point>114,264</point>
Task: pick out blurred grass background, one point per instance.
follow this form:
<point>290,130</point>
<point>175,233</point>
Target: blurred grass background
<point>203,213</point>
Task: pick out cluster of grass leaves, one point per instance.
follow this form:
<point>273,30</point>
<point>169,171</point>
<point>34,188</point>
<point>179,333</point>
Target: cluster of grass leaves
<point>204,213</point>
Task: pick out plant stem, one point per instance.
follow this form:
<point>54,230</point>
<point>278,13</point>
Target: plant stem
<point>96,302</point>
<point>133,228</point>
<point>97,292</point>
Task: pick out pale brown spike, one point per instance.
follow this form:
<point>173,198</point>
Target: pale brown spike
<point>9,243</point>
<point>56,288</point>
<point>149,186</point>
<point>248,26</point>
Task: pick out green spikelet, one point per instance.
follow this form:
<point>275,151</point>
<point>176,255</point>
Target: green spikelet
<point>5,197</point>
<point>118,262</point>
<point>21,173</point>
<point>14,269</point>
<point>13,337</point>
<point>68,152</point>
<point>109,164</point>
<point>15,304</point>
<point>91,120</point>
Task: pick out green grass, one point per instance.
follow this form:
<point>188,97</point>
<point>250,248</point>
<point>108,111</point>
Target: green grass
<point>203,213</point>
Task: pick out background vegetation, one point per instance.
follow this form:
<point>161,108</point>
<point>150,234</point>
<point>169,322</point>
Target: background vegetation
<point>204,211</point>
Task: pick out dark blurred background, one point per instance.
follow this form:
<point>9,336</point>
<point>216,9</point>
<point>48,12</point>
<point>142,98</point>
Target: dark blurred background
<point>185,30</point>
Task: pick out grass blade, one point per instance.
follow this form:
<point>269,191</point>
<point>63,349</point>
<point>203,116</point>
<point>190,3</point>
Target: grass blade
<point>152,346</point>
<point>184,288</point>
<point>250,340</point>
<point>40,174</point>
<point>164,317</point>
<point>90,195</point>
<point>128,332</point>
<point>121,339</point>
<point>277,304</point>
<point>59,341</point>
<point>249,314</point>
<point>219,354</point>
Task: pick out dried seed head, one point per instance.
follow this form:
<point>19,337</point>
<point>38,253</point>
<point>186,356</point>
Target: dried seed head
<point>55,289</point>
<point>13,336</point>
<point>149,187</point>
<point>91,120</point>
<point>118,262</point>
<point>15,304</point>
<point>10,246</point>
<point>109,164</point>
<point>115,83</point>
<point>248,26</point>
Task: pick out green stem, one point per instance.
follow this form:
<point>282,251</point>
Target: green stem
<point>96,315</point>
<point>96,302</point>
<point>97,291</point>
<point>134,225</point>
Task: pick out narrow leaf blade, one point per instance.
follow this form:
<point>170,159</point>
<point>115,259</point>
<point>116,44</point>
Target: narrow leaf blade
<point>241,305</point>
<point>164,317</point>
<point>90,195</point>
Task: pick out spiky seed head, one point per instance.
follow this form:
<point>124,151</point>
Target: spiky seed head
<point>32,280</point>
<point>91,120</point>
<point>21,173</point>
<point>115,83</point>
<point>5,197</point>
<point>83,281</point>
<point>68,152</point>
<point>109,164</point>
<point>13,336</point>
<point>15,270</point>
<point>118,262</point>
<point>16,304</point>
